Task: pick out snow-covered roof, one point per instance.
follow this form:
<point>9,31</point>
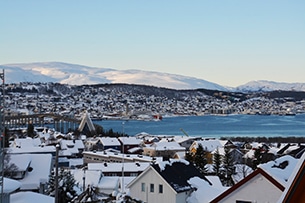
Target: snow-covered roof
<point>117,167</point>
<point>27,142</point>
<point>281,168</point>
<point>30,197</point>
<point>32,150</point>
<point>130,140</point>
<point>41,165</point>
<point>241,171</point>
<point>180,139</point>
<point>127,157</point>
<point>92,177</point>
<point>162,146</point>
<point>109,182</point>
<point>22,161</point>
<point>212,144</point>
<point>205,192</point>
<point>10,185</point>
<point>110,141</point>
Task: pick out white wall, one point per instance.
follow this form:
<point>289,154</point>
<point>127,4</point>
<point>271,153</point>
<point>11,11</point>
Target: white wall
<point>167,196</point>
<point>259,190</point>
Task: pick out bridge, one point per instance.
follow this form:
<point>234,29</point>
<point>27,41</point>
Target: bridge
<point>61,123</point>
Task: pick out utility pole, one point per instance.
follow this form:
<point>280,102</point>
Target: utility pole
<point>56,174</point>
<point>2,138</point>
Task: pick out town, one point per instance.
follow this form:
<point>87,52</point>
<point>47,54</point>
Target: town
<point>111,101</point>
<point>46,165</point>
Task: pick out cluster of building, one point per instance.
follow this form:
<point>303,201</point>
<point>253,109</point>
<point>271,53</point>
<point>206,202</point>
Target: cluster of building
<point>119,101</point>
<point>150,168</point>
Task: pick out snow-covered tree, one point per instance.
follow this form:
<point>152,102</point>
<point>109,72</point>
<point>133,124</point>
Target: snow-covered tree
<point>66,184</point>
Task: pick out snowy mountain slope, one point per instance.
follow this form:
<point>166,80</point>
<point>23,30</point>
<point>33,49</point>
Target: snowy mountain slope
<point>263,85</point>
<point>78,75</point>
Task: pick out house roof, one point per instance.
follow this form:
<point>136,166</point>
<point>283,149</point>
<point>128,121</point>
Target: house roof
<point>281,168</point>
<point>245,180</point>
<point>117,167</point>
<point>130,140</point>
<point>164,146</point>
<point>22,161</point>
<point>110,141</point>
<point>295,189</point>
<point>29,197</point>
<point>10,185</point>
<point>41,167</point>
<point>177,174</point>
<point>211,145</point>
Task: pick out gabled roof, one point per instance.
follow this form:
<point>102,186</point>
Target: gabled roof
<point>177,174</point>
<point>295,191</point>
<point>245,180</point>
<point>110,141</point>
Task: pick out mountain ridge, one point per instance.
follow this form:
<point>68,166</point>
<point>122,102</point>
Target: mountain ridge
<point>75,74</point>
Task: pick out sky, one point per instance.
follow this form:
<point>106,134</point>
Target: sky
<point>229,42</point>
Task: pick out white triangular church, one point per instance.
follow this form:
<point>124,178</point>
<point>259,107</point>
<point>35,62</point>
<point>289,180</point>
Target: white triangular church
<point>86,120</point>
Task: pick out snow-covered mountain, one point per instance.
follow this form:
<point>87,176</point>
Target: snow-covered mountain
<point>78,75</point>
<point>74,74</point>
<point>263,85</point>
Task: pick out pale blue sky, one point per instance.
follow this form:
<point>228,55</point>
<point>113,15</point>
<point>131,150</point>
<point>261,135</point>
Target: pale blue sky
<point>229,42</point>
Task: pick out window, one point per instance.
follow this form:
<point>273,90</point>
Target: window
<point>152,189</point>
<point>160,188</point>
<point>143,187</point>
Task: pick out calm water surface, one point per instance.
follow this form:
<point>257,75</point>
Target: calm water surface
<point>214,126</point>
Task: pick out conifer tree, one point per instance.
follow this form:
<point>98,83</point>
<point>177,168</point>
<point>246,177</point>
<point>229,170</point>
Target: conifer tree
<point>200,159</point>
<point>66,183</point>
<point>217,162</point>
<point>30,130</point>
<point>228,165</point>
<point>257,157</point>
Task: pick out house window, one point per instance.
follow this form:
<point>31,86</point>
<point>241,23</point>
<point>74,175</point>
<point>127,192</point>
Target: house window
<point>160,188</point>
<point>143,187</point>
<point>152,189</point>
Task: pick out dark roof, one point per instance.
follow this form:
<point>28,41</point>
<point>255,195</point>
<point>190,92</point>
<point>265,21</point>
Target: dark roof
<point>177,174</point>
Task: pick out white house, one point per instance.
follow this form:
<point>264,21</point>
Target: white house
<point>164,182</point>
<point>259,186</point>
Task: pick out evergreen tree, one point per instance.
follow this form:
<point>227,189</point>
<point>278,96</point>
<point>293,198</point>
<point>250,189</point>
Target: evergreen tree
<point>66,183</point>
<point>6,138</point>
<point>257,157</point>
<point>30,130</point>
<point>200,159</point>
<point>217,162</point>
<point>228,167</point>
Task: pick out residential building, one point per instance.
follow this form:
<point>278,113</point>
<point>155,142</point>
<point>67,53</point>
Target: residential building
<point>165,182</point>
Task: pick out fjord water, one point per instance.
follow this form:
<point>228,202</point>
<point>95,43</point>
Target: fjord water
<point>214,126</point>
